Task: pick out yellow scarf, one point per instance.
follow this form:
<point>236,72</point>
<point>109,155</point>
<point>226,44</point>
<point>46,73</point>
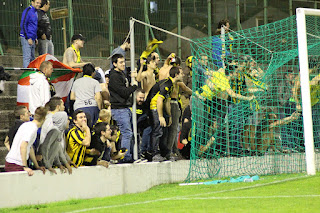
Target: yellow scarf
<point>77,53</point>
<point>87,76</point>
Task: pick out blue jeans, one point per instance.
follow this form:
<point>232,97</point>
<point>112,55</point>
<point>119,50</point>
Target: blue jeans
<point>92,114</point>
<point>145,142</point>
<point>27,51</point>
<point>123,119</point>
<point>45,46</point>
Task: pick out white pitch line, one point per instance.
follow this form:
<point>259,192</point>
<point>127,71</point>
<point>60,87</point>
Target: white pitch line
<point>186,197</point>
<point>252,197</point>
<point>250,187</point>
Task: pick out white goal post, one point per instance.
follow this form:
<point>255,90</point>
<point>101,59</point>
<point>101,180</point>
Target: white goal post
<point>301,14</point>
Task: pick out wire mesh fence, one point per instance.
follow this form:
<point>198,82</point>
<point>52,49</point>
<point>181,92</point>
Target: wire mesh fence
<point>105,23</point>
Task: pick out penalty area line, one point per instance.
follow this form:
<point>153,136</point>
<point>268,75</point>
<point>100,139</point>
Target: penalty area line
<point>189,197</point>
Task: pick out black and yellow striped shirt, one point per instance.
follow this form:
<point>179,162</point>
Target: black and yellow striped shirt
<point>238,85</point>
<point>162,89</point>
<point>75,149</point>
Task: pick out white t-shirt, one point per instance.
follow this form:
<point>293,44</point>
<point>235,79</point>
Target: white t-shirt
<point>103,78</point>
<point>26,132</point>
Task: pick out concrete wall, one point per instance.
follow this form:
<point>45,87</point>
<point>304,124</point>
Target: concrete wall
<point>87,182</point>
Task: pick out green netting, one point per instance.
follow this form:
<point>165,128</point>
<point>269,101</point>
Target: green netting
<point>235,135</point>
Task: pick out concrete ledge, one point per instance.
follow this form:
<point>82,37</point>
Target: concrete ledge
<point>87,182</point>
<point>90,182</point>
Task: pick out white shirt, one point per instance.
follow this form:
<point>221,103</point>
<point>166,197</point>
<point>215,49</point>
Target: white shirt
<point>26,132</point>
<point>39,93</point>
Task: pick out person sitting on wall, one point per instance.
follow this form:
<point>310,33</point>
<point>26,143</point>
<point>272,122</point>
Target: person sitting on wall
<point>53,147</point>
<point>22,149</point>
<point>22,114</point>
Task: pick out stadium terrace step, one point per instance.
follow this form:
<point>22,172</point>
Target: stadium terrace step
<point>6,118</point>
<point>15,74</point>
<point>10,88</point>
<point>11,61</point>
<point>3,154</point>
<point>7,102</point>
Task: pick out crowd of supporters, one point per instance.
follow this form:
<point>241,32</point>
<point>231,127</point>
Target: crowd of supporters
<point>95,125</point>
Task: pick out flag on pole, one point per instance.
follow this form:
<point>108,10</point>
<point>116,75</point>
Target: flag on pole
<point>62,79</point>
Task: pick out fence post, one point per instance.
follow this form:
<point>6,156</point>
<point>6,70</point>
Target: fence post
<point>179,26</point>
<point>1,51</point>
<point>146,19</point>
<point>290,8</point>
<point>238,15</point>
<point>265,11</point>
<point>134,105</point>
<point>110,12</point>
<point>71,29</point>
<point>209,18</point>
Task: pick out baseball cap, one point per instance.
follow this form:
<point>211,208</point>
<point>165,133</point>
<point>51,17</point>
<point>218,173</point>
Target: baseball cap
<point>77,36</point>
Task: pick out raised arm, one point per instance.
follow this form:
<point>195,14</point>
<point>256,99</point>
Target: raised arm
<point>286,120</point>
<point>141,75</point>
<point>184,88</point>
<point>238,96</point>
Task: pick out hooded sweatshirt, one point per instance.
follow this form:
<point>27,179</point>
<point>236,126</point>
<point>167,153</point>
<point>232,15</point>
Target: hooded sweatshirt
<point>52,149</point>
<point>39,93</point>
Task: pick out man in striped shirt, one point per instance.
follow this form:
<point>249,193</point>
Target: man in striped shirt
<point>79,138</point>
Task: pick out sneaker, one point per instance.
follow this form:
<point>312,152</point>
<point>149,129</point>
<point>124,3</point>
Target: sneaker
<point>178,156</point>
<point>137,161</point>
<point>170,157</point>
<point>146,156</point>
<point>124,160</point>
<point>142,161</point>
<point>113,161</point>
<point>158,158</point>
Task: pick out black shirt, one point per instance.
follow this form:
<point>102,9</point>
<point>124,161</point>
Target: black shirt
<point>96,143</point>
<point>163,89</point>
<point>44,26</point>
<point>120,91</point>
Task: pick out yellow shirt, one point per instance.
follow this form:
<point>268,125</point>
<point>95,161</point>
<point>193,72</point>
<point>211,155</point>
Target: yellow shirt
<point>314,94</point>
<point>75,149</point>
<point>220,84</point>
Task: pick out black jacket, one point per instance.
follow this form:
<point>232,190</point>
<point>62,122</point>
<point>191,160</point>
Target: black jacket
<point>120,91</point>
<point>44,26</point>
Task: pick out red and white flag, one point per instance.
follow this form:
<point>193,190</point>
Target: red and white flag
<point>61,78</point>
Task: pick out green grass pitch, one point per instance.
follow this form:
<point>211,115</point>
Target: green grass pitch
<point>280,193</point>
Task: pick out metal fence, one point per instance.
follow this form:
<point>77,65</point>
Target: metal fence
<point>105,23</point>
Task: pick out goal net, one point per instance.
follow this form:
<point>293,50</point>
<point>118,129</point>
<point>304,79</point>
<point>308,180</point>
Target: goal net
<point>246,108</point>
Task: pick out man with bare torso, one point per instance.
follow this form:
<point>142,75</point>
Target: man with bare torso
<point>71,56</point>
<point>147,78</point>
<point>175,108</point>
